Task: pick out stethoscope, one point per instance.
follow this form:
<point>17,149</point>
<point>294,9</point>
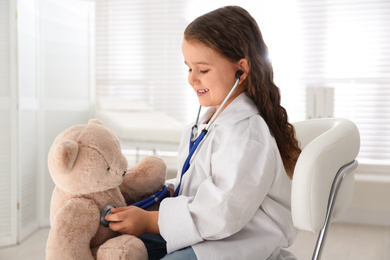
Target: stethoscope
<point>194,140</point>
<point>143,204</point>
<point>194,143</point>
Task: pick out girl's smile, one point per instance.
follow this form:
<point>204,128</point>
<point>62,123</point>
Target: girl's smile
<point>201,92</point>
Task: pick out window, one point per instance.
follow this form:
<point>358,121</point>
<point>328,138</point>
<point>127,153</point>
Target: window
<point>335,43</point>
<point>138,54</point>
<point>345,46</point>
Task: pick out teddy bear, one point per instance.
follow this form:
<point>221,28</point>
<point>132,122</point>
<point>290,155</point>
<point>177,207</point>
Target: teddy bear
<point>90,172</point>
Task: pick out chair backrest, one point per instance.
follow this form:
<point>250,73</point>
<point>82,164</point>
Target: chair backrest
<point>327,145</point>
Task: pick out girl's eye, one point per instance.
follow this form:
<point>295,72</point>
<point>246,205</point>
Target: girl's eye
<point>189,70</point>
<point>108,168</point>
<point>204,71</point>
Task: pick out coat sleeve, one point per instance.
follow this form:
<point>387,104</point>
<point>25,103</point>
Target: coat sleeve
<point>242,172</point>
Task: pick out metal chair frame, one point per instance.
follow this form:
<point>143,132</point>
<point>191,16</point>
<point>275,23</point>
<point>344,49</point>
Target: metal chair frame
<point>341,174</point>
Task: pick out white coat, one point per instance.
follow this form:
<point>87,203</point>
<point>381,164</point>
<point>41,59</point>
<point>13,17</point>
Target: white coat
<point>234,201</point>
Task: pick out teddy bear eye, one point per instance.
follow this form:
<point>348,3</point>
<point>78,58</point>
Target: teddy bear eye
<point>108,168</point>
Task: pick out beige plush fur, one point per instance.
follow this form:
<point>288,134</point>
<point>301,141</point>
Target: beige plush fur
<point>90,172</point>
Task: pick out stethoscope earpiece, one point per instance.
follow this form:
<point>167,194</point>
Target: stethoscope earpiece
<point>239,74</point>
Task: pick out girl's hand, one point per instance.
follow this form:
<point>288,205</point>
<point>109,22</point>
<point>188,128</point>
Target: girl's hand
<point>133,221</point>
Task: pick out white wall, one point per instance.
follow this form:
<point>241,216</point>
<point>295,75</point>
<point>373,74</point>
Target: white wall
<point>45,87</point>
<point>8,127</point>
<point>370,202</point>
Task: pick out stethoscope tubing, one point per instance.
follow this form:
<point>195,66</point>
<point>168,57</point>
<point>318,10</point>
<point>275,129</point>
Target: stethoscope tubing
<point>151,200</point>
<point>222,105</point>
<point>187,161</point>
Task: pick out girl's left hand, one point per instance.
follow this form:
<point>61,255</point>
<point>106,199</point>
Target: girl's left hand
<point>133,221</point>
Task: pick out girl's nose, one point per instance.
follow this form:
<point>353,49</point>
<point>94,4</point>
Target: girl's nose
<point>193,78</point>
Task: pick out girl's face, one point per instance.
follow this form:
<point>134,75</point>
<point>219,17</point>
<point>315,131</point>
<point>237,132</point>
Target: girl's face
<point>210,75</point>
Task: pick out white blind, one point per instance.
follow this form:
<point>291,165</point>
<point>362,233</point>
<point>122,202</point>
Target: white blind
<point>138,53</point>
<point>341,44</point>
<point>345,45</point>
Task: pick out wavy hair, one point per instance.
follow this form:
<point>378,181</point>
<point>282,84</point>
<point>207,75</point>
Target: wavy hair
<point>234,33</point>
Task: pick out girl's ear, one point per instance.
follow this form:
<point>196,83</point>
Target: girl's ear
<point>244,66</point>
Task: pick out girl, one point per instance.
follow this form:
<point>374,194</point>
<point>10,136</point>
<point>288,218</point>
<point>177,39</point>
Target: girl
<point>234,200</point>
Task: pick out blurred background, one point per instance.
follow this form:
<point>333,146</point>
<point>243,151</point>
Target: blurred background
<point>63,62</point>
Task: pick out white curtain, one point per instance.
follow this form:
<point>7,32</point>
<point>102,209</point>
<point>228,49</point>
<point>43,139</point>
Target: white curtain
<point>342,44</point>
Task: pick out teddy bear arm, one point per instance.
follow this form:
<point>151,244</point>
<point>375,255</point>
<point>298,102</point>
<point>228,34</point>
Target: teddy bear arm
<point>143,179</point>
<point>72,230</point>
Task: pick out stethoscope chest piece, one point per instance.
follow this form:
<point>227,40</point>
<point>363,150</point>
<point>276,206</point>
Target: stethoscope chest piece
<point>194,130</point>
<point>106,211</point>
<point>194,133</point>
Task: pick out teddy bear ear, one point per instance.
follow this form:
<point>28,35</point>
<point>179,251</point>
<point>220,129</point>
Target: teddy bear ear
<point>65,156</point>
<point>95,121</point>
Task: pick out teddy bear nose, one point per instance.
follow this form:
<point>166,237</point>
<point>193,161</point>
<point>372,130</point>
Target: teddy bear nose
<point>124,173</point>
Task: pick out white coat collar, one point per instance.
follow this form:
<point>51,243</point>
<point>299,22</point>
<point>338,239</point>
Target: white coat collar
<point>240,108</point>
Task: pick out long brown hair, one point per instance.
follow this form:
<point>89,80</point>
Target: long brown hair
<point>234,33</point>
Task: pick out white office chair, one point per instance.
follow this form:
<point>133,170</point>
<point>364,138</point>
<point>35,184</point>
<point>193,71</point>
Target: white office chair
<point>323,171</point>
